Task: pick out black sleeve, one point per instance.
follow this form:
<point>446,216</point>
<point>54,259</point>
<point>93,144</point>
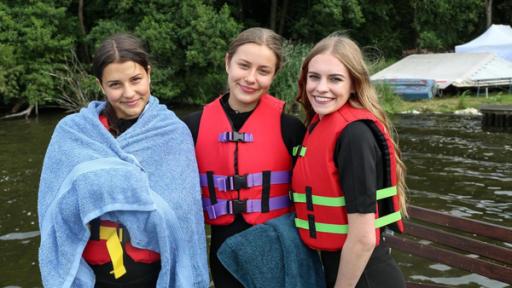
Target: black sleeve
<point>357,157</point>
<point>292,130</point>
<point>192,121</point>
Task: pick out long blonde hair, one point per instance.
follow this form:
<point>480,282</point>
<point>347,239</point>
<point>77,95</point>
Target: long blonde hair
<point>349,53</point>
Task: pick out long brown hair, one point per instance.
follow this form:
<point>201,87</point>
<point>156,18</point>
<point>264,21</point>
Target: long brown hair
<point>118,48</point>
<point>350,55</point>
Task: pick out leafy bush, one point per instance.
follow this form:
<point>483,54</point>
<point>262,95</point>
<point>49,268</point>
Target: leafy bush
<point>284,85</point>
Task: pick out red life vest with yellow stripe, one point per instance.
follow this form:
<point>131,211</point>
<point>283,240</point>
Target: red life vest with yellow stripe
<point>245,171</point>
<point>317,194</point>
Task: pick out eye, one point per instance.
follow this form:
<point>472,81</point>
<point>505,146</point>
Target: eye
<point>313,77</point>
<point>336,79</point>
<point>244,66</point>
<point>136,80</point>
<point>265,72</point>
<point>114,85</point>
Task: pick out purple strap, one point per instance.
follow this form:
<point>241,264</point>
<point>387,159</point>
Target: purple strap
<point>235,137</point>
<point>224,207</point>
<point>226,183</point>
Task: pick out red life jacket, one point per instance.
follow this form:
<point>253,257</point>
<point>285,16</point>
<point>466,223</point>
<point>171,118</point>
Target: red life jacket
<point>245,172</point>
<point>320,206</point>
<point>96,252</point>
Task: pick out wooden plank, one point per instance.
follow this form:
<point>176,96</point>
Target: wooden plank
<point>460,242</point>
<point>472,226</point>
<point>496,109</point>
<point>484,268</point>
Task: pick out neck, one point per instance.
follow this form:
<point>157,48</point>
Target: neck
<point>240,107</point>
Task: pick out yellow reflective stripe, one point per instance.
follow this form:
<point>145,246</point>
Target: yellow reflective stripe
<point>343,228</point>
<point>320,200</point>
<point>340,201</point>
<point>386,192</point>
<point>322,227</point>
<point>115,250</point>
<point>388,219</point>
<point>298,148</point>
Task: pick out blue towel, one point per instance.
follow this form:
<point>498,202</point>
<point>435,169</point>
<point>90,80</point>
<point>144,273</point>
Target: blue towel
<point>146,179</point>
<point>272,255</point>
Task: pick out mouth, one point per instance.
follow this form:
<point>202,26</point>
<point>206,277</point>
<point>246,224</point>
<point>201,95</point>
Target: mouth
<point>323,99</point>
<point>131,103</point>
<point>247,89</point>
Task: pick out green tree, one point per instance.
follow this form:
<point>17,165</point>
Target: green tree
<point>186,39</point>
<point>442,24</point>
<point>33,43</point>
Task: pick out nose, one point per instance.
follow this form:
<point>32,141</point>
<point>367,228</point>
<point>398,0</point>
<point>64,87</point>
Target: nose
<point>129,91</point>
<point>251,76</point>
<point>322,85</point>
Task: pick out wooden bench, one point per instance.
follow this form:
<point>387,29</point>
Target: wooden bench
<point>457,242</point>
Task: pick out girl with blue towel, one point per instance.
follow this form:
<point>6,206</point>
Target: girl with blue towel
<point>119,199</point>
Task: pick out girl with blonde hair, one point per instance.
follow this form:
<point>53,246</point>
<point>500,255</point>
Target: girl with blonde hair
<point>348,182</point>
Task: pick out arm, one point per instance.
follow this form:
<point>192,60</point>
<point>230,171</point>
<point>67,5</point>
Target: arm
<point>357,249</point>
<point>357,156</point>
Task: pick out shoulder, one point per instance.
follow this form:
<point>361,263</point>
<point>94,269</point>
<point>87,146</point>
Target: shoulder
<point>193,119</point>
<point>291,121</point>
<point>356,139</point>
<point>357,132</point>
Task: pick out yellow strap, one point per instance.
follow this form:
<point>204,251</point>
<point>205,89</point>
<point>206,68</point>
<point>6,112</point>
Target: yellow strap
<point>115,250</point>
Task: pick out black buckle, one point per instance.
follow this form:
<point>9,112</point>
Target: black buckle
<point>237,206</point>
<point>238,182</point>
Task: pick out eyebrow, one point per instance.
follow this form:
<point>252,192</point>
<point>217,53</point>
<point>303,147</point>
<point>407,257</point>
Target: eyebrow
<point>131,77</point>
<point>330,75</point>
<point>247,61</point>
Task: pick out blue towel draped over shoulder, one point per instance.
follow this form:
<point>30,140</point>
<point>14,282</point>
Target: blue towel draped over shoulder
<point>146,179</point>
<point>272,255</point>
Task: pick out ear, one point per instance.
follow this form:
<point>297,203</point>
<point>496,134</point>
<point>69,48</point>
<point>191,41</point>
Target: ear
<point>226,61</point>
<point>149,73</point>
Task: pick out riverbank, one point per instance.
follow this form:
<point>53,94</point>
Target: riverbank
<point>445,104</point>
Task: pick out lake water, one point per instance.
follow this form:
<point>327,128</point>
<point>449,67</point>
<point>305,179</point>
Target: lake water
<point>453,166</point>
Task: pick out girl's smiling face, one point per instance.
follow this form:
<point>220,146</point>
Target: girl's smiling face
<point>126,87</point>
<point>328,85</point>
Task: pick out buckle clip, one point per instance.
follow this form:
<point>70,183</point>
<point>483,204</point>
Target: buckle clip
<point>237,206</point>
<point>237,136</point>
<point>238,182</point>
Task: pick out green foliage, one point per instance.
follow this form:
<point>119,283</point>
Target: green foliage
<point>389,101</point>
<point>188,39</point>
<point>461,104</point>
<point>77,88</point>
<point>284,85</point>
<point>442,24</point>
<point>33,43</point>
<point>311,23</point>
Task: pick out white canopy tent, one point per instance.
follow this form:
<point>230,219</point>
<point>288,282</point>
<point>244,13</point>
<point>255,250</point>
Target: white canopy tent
<point>457,69</point>
<point>497,39</point>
